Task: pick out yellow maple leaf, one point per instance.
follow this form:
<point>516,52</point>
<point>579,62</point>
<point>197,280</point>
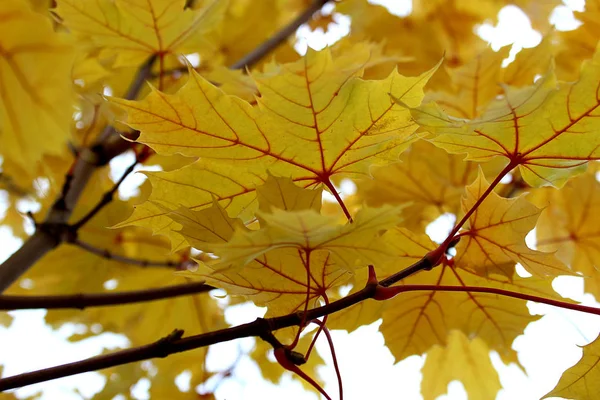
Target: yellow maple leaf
<point>582,380</point>
<point>35,101</point>
<point>474,85</point>
<point>529,63</point>
<point>353,244</point>
<point>495,234</point>
<point>549,133</point>
<point>416,320</point>
<point>569,226</point>
<point>577,45</point>
<point>476,371</point>
<point>133,30</point>
<point>282,194</point>
<point>448,32</point>
<point>315,121</point>
<point>428,181</point>
<point>283,280</point>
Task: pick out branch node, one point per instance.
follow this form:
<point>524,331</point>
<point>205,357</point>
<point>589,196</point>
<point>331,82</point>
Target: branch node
<point>164,344</point>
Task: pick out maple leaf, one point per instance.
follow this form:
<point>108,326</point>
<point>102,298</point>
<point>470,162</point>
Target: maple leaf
<point>415,321</point>
<point>428,181</point>
<point>433,35</point>
<point>569,227</point>
<point>349,245</point>
<point>579,44</point>
<point>283,277</point>
<point>529,63</point>
<point>496,234</point>
<point>477,373</point>
<point>239,34</point>
<point>547,132</point>
<point>35,101</point>
<point>581,380</point>
<point>283,280</point>
<point>475,84</point>
<point>315,121</point>
<point>133,30</point>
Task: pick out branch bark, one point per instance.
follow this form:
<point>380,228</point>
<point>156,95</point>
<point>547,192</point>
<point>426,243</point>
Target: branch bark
<point>81,301</point>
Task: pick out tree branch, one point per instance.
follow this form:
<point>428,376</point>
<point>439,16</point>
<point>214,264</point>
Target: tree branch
<point>128,260</point>
<point>274,41</point>
<point>109,195</point>
<point>259,328</point>
<point>81,301</point>
<point>88,160</point>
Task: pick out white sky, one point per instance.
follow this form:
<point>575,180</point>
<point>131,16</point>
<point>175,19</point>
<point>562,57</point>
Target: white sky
<point>548,347</point>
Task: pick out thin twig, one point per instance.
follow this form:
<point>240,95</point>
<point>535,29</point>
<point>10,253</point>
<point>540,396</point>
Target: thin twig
<point>106,198</point>
<point>128,260</point>
<point>81,301</point>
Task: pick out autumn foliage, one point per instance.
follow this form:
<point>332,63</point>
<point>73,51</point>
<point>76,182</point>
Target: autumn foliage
<point>250,143</point>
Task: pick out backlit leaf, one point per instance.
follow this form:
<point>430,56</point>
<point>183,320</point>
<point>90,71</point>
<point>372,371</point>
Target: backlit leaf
<point>315,121</point>
<point>416,320</point>
<point>495,234</point>
<point>549,133</point>
<point>569,226</point>
<point>35,99</point>
<point>581,381</point>
<point>134,30</point>
<point>357,243</point>
<point>476,371</point>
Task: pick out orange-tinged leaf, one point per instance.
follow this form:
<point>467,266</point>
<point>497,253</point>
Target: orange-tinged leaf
<point>416,320</point>
<point>476,371</point>
<point>134,30</point>
<point>581,381</point>
<point>315,121</point>
<point>549,133</point>
<point>495,234</point>
<point>35,100</point>
<point>569,226</point>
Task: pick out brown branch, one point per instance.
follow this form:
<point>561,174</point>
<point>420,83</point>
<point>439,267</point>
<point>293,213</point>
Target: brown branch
<point>106,198</point>
<point>89,159</point>
<point>274,41</point>
<point>129,260</point>
<point>260,328</point>
<point>270,44</point>
<point>81,301</point>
